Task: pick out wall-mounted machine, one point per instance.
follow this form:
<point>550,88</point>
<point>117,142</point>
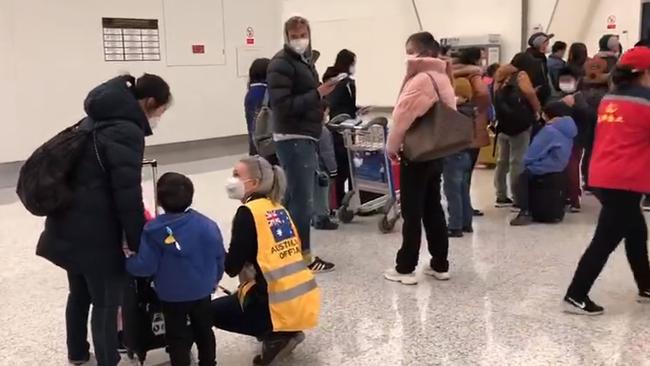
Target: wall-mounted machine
<point>490,44</point>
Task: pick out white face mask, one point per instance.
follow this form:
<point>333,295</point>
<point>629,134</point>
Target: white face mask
<point>235,188</point>
<point>153,122</point>
<point>299,45</point>
<point>569,87</point>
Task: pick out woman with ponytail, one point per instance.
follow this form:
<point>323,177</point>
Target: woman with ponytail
<point>278,297</point>
<point>86,239</point>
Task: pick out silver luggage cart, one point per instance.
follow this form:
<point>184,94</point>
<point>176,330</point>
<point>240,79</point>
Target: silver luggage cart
<point>370,170</point>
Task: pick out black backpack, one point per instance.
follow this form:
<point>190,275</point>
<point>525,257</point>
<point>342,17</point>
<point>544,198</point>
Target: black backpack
<point>44,182</point>
<point>514,113</point>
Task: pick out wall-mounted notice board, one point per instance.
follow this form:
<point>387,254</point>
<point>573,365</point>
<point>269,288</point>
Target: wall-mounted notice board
<point>131,39</point>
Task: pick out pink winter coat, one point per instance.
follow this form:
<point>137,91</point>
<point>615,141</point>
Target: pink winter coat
<point>418,96</point>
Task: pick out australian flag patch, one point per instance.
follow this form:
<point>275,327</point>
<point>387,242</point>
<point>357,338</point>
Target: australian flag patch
<point>280,225</point>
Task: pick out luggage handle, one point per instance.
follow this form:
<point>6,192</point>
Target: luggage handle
<point>153,163</point>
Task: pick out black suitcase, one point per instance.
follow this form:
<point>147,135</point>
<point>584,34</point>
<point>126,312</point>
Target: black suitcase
<point>548,197</point>
<point>144,323</point>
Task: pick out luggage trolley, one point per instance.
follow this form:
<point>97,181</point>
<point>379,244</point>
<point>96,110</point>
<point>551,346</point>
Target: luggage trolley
<point>370,170</point>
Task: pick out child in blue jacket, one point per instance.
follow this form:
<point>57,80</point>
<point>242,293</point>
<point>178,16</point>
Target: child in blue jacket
<point>183,251</point>
<point>548,153</point>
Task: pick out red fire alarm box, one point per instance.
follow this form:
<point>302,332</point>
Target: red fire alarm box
<point>198,48</point>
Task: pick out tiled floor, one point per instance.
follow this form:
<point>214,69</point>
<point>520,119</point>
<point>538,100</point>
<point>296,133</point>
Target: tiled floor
<point>502,306</point>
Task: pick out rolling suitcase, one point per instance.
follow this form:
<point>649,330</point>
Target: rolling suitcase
<point>548,197</point>
<point>144,323</point>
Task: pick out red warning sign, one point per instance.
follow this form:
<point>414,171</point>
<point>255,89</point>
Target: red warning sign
<point>250,36</point>
<point>611,22</point>
<point>198,48</point>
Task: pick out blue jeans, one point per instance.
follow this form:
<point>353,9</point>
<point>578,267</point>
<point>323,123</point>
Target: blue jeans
<point>321,201</point>
<point>456,175</point>
<point>299,160</point>
<point>105,294</point>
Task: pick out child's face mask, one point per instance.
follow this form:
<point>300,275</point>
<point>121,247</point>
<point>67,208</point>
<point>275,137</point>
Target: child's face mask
<point>568,86</point>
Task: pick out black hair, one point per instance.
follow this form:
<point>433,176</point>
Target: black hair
<point>257,71</point>
<point>344,59</point>
<point>470,56</point>
<point>426,45</point>
<point>557,109</point>
<point>175,192</point>
<point>558,46</point>
<point>578,54</point>
<point>643,43</point>
<point>569,70</point>
<point>150,86</point>
<point>524,62</point>
<point>625,76</point>
<point>492,69</point>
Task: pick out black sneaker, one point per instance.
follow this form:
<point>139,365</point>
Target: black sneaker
<point>644,297</point>
<point>278,348</point>
<point>522,219</point>
<point>501,203</point>
<point>121,348</point>
<point>468,229</point>
<point>455,233</point>
<point>586,307</point>
<point>478,213</point>
<point>320,266</point>
<point>325,223</point>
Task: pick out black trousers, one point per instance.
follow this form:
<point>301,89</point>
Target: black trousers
<point>254,320</point>
<point>620,218</point>
<point>522,190</point>
<point>105,293</point>
<point>342,180</point>
<point>420,201</point>
<point>180,336</point>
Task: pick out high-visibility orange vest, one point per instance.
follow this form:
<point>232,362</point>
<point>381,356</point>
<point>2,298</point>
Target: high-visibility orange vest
<point>294,296</point>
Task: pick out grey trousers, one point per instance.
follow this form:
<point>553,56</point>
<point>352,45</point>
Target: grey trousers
<point>510,159</point>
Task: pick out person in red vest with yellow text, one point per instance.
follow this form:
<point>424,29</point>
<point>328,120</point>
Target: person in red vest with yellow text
<point>278,296</point>
<point>619,171</point>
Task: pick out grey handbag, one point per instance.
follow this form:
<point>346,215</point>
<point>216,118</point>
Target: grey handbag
<point>440,132</point>
<point>263,135</point>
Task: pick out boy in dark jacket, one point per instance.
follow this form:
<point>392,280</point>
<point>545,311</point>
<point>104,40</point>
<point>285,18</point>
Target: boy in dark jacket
<point>548,153</point>
<point>183,250</point>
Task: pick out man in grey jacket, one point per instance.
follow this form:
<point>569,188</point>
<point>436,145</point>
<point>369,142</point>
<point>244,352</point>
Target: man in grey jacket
<point>296,100</point>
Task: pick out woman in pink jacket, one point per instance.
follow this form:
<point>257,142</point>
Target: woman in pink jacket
<point>420,181</point>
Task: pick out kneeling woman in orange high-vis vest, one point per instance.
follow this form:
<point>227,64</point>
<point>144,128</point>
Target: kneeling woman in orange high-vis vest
<point>281,299</point>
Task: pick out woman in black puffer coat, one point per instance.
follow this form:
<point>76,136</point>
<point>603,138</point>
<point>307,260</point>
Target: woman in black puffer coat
<point>107,210</point>
<point>343,100</point>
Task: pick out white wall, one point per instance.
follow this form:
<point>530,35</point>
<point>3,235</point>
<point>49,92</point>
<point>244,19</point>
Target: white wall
<point>586,20</point>
<point>376,32</point>
<point>52,56</point>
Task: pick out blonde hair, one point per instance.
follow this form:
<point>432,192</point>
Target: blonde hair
<point>271,178</point>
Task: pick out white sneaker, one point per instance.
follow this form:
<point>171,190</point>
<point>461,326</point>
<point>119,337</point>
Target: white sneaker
<point>404,279</point>
<point>440,276</point>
